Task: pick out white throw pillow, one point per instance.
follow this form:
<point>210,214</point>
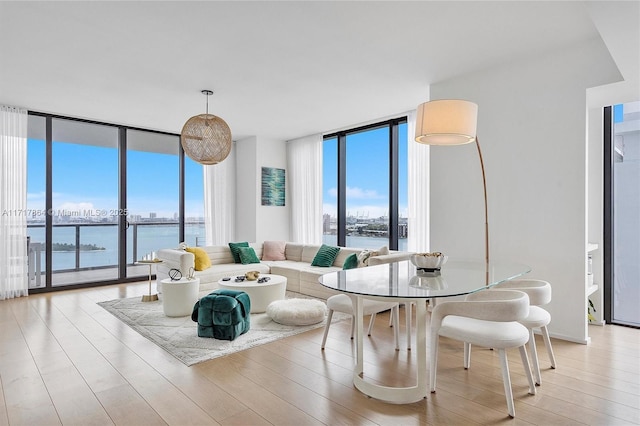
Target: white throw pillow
<point>365,255</point>
<point>363,258</point>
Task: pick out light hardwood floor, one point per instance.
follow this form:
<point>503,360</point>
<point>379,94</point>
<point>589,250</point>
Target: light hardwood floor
<point>65,360</point>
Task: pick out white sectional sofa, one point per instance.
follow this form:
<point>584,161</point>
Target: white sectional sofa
<point>301,276</point>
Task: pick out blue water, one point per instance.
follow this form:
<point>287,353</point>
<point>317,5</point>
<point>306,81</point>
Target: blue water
<point>150,238</point>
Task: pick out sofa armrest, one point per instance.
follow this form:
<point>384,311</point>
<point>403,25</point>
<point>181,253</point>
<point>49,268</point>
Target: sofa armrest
<point>179,259</point>
<point>389,258</point>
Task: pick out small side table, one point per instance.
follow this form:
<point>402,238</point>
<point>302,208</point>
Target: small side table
<point>149,297</point>
<point>260,294</point>
<point>179,296</point>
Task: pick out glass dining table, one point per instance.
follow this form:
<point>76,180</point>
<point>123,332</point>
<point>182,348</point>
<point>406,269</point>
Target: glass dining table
<point>401,282</point>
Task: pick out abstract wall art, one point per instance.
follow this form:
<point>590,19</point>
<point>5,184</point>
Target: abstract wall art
<point>273,191</point>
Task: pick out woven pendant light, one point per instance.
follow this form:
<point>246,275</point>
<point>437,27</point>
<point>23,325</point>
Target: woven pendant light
<point>206,138</point>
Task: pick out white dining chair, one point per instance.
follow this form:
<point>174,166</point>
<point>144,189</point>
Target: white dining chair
<point>539,293</point>
<point>342,303</point>
<point>488,319</point>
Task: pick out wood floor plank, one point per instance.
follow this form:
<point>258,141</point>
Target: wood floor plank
<point>110,388</point>
<point>65,360</point>
<point>229,375</point>
<point>246,417</point>
<point>111,340</point>
<point>570,399</point>
<point>215,401</point>
<point>315,371</point>
<point>306,395</point>
<point>4,419</point>
<point>73,398</point>
<point>26,397</point>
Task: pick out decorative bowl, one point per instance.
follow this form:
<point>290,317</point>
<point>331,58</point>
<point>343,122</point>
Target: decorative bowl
<point>429,261</point>
<point>252,275</point>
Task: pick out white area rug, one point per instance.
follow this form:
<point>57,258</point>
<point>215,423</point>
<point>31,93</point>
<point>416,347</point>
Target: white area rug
<point>179,336</point>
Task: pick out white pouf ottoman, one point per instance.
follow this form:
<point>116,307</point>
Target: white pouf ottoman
<point>297,311</point>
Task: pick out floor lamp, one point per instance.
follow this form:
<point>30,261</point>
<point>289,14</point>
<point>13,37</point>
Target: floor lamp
<point>453,122</point>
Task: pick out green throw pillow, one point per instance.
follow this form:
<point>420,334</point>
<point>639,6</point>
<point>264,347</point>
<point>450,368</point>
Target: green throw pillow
<point>325,256</point>
<point>248,255</point>
<point>351,261</point>
<point>234,250</point>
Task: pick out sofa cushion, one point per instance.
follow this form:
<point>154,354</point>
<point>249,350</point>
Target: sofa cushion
<point>219,255</point>
<point>325,256</point>
<point>308,253</point>
<point>293,251</point>
<point>247,255</point>
<point>289,269</point>
<point>274,250</point>
<point>202,260</point>
<point>343,254</point>
<point>382,251</point>
<point>234,250</point>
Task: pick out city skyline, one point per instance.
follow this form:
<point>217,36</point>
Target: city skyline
<point>367,188</point>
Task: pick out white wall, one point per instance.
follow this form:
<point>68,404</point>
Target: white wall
<point>246,199</point>
<point>532,129</point>
<point>255,222</point>
<point>272,221</point>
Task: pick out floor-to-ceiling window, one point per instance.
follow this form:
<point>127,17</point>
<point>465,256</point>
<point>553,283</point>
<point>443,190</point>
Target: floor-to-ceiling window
<point>37,201</point>
<point>84,201</point>
<point>194,229</point>
<point>153,205</point>
<point>330,191</point>
<point>103,196</point>
<point>365,186</point>
<point>622,214</point>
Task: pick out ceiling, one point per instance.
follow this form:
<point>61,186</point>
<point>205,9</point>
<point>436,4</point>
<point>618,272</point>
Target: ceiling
<point>279,70</point>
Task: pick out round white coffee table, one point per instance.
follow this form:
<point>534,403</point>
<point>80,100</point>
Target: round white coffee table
<point>179,296</point>
<point>261,294</point>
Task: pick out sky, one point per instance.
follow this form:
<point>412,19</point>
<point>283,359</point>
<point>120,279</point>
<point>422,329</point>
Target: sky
<point>85,179</point>
<point>367,173</point>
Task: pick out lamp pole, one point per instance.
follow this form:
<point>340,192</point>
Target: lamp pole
<point>486,215</point>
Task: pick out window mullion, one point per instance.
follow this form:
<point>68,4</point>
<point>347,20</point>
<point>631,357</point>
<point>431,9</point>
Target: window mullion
<point>342,190</point>
<point>393,185</point>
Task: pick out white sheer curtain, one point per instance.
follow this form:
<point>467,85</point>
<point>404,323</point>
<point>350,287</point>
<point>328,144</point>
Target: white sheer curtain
<point>14,280</point>
<point>220,200</point>
<point>418,188</point>
<point>304,165</point>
